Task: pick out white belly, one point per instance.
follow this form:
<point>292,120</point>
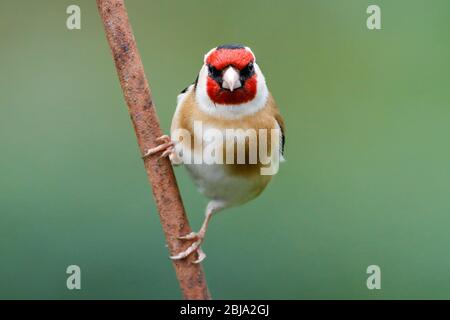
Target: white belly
<point>216,183</point>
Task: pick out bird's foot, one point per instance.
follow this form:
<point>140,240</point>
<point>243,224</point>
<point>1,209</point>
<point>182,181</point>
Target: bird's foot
<point>198,237</point>
<point>165,148</point>
<point>193,236</point>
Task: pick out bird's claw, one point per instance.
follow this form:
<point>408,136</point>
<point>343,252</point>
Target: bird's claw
<point>166,147</point>
<point>192,248</point>
<point>190,236</point>
<point>198,237</point>
<point>167,152</point>
<point>163,138</point>
<point>201,256</point>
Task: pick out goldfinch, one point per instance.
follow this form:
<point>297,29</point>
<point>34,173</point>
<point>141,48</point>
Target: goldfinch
<point>229,95</point>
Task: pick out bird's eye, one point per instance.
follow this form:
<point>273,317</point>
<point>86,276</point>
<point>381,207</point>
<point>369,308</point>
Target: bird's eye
<point>247,72</point>
<point>213,72</point>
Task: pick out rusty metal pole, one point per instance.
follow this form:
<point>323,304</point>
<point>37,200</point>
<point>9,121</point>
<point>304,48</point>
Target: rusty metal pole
<point>146,125</point>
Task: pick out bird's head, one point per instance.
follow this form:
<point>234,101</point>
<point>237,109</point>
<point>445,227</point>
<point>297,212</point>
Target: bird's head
<point>230,79</point>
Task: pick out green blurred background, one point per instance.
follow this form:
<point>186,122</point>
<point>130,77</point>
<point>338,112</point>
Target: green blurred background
<point>367,177</point>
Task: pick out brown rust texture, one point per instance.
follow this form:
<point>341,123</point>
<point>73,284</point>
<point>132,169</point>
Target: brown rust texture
<point>146,125</point>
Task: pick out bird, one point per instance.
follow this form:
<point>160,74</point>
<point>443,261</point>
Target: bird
<point>229,93</point>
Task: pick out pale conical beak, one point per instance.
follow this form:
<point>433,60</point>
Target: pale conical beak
<point>231,79</point>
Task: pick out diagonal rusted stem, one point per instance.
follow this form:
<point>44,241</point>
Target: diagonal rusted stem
<point>146,125</point>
